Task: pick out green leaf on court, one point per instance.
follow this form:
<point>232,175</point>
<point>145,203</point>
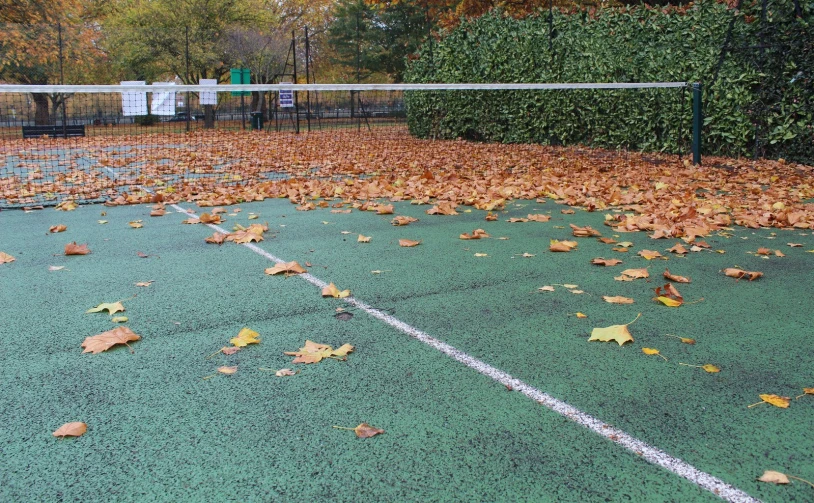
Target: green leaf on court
<point>618,333</point>
<point>110,307</point>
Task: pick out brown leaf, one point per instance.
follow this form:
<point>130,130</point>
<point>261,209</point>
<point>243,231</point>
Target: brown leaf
<point>517,220</point>
<point>674,277</point>
<point>631,274</point>
<point>538,218</point>
<point>618,299</point>
<point>363,239</point>
<point>408,243</point>
<point>476,234</point>
<point>607,241</point>
<point>403,220</point>
<point>106,340</point>
<point>443,208</point>
<point>158,213</point>
<point>364,430</point>
<point>678,248</point>
<point>58,228</point>
<point>75,249</point>
<point>332,291</point>
<point>562,246</point>
<point>75,429</point>
<point>606,262</point>
<point>669,296</point>
<point>651,254</point>
<point>206,218</point>
<point>286,268</point>
<point>584,232</point>
<point>491,217</point>
<point>216,238</point>
<point>763,251</point>
<point>244,236</point>
<point>733,272</point>
<point>384,209</point>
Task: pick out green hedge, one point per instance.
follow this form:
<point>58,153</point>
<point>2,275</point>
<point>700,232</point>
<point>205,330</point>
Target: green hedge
<point>752,94</point>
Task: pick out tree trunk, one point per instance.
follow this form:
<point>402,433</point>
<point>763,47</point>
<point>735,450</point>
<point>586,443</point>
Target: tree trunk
<point>255,101</point>
<point>209,117</point>
<point>41,116</point>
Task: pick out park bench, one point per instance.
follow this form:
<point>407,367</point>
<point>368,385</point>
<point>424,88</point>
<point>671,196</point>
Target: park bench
<point>53,131</point>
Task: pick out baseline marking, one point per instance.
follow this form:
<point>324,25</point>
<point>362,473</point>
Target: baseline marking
<point>652,454</point>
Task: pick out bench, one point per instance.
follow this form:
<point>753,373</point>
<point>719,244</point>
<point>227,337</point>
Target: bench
<point>53,131</point>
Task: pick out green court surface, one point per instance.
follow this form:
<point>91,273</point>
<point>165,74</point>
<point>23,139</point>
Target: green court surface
<point>159,431</point>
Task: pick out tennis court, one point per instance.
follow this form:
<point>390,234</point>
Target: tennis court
<point>473,355</point>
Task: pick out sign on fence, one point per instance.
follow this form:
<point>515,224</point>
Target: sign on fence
<point>286,97</point>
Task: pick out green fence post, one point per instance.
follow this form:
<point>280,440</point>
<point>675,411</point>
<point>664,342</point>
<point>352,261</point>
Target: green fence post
<point>697,123</point>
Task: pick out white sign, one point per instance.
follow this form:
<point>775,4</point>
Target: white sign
<point>133,102</point>
<point>163,103</point>
<point>286,97</point>
<point>208,97</point>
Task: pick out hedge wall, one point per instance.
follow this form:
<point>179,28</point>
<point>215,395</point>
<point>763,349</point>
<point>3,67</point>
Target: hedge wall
<point>759,103</point>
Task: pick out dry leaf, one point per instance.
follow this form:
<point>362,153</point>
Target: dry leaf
<point>106,340</point>
<point>5,258</point>
<point>286,268</point>
<point>491,217</point>
<point>363,239</point>
<point>229,350</point>
<point>546,288</point>
<point>607,241</point>
<point>778,253</point>
<point>685,340</point>
<point>284,372</point>
<point>567,212</point>
<point>443,208</point>
<point>206,218</point>
<point>332,291</point>
<point>631,274</point>
<point>763,251</point>
<point>217,238</point>
<point>119,319</point>
<point>617,299</point>
<point>669,296</point>
<point>538,218</point>
<point>306,207</point>
<point>674,277</point>
<point>66,206</point>
<point>145,283</point>
<point>517,220</point>
<point>618,333</point>
<point>678,248</point>
<point>136,224</point>
<point>245,337</point>
<point>244,236</point>
<point>75,249</point>
<point>75,429</point>
<point>651,254</point>
<point>402,220</point>
<point>776,400</point>
<point>50,267</point>
<point>110,307</point>
<point>101,222</point>
<point>481,254</point>
<point>562,246</point>
<point>733,272</point>
<point>581,315</point>
<point>227,370</point>
<point>606,262</point>
<point>408,243</point>
<point>653,351</point>
<point>384,209</point>
<point>774,477</point>
<point>364,430</point>
<point>314,352</point>
<point>795,245</point>
<point>476,234</point>
<point>584,232</point>
<point>63,228</point>
<point>158,212</point>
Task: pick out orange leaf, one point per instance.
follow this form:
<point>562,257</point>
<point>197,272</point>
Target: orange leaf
<point>216,238</point>
<point>75,429</point>
<point>287,268</point>
<point>538,218</point>
<point>669,296</point>
<point>763,251</point>
<point>5,258</point>
<point>516,220</point>
<point>733,272</point>
<point>402,220</point>
<point>384,209</point>
<point>491,217</point>
<point>364,430</point>
<point>562,246</point>
<point>678,248</point>
<point>651,254</point>
<point>606,262</point>
<point>674,277</point>
<point>584,232</point>
<point>58,228</point>
<point>408,243</point>
<point>106,340</point>
<point>631,274</point>
<point>75,249</point>
<point>332,291</point>
<point>442,208</point>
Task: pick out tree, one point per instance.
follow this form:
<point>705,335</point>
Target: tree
<point>50,42</point>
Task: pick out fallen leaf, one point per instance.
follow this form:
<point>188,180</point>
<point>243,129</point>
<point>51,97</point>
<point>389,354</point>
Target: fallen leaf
<point>631,274</point>
<point>75,249</point>
<point>227,370</point>
<point>63,228</point>
<point>618,299</point>
<point>776,400</point>
<point>363,239</point>
<point>624,244</point>
<point>101,222</point>
<point>685,340</point>
<point>674,277</point>
<point>364,430</point>
<point>491,217</point>
<point>562,246</point>
<point>517,220</point>
<point>75,429</point>
<point>286,268</point>
<point>106,340</point>
<point>546,288</point>
<point>606,262</point>
<point>206,218</point>
<point>384,209</point>
<point>795,245</point>
<point>284,372</point>
<point>538,218</point>
<point>763,251</point>
<point>332,291</point>
<point>581,315</point>
<point>50,267</point>
<point>158,212</point>
<point>774,477</point>
<point>66,206</point>
<point>678,248</point>
<point>402,220</point>
<point>476,234</point>
<point>708,367</point>
<point>136,224</point>
<point>244,236</point>
<point>669,296</point>
<point>119,319</point>
<point>110,307</point>
<point>191,221</point>
<point>145,283</point>
<point>778,253</point>
<point>229,350</point>
<point>217,238</point>
<point>527,255</point>
<point>349,210</point>
<point>245,337</point>
<point>408,243</point>
<point>618,333</point>
<point>567,212</point>
<point>443,208</point>
<point>733,272</point>
<point>607,241</point>
<point>650,254</point>
<point>5,258</point>
<point>481,254</point>
<point>306,207</point>
<point>584,232</point>
<point>314,352</point>
<point>653,351</point>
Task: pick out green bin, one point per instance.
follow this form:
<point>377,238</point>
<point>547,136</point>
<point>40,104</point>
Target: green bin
<point>257,121</point>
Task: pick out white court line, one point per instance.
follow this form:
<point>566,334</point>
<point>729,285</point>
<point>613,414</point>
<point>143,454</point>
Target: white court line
<point>652,454</point>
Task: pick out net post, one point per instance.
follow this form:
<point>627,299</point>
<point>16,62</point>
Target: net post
<point>697,122</point>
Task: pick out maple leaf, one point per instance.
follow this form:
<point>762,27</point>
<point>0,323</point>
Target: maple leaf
<point>443,208</point>
<point>617,299</point>
<point>314,352</point>
<point>651,254</point>
<point>58,228</point>
<point>364,430</point>
<point>606,262</point>
<point>286,268</point>
<point>776,400</point>
<point>217,238</point>
<point>538,217</point>
<point>476,234</point>
<point>384,209</point>
<point>106,340</point>
<point>584,232</point>
<point>607,241</point>
<point>75,429</point>
<point>5,258</point>
<point>244,236</point>
<point>491,217</point>
<point>618,333</point>
<point>562,246</point>
<point>402,220</point>
<point>363,239</point>
<point>669,296</point>
<point>245,337</point>
<point>110,307</point>
<point>408,243</point>
<point>678,249</point>
<point>332,291</point>
<point>306,207</point>
<point>676,278</point>
<point>75,249</point>
<point>66,206</point>
<point>763,251</point>
<point>734,272</point>
<point>632,274</point>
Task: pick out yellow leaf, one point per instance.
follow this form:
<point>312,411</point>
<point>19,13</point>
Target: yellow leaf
<point>774,477</point>
<point>582,315</point>
<point>287,268</point>
<point>110,307</point>
<point>136,224</point>
<point>245,337</point>
<point>314,352</point>
<point>667,301</point>
<point>708,367</point>
<point>332,291</point>
<point>618,333</point>
<point>776,400</point>
<point>119,319</point>
<point>650,351</point>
